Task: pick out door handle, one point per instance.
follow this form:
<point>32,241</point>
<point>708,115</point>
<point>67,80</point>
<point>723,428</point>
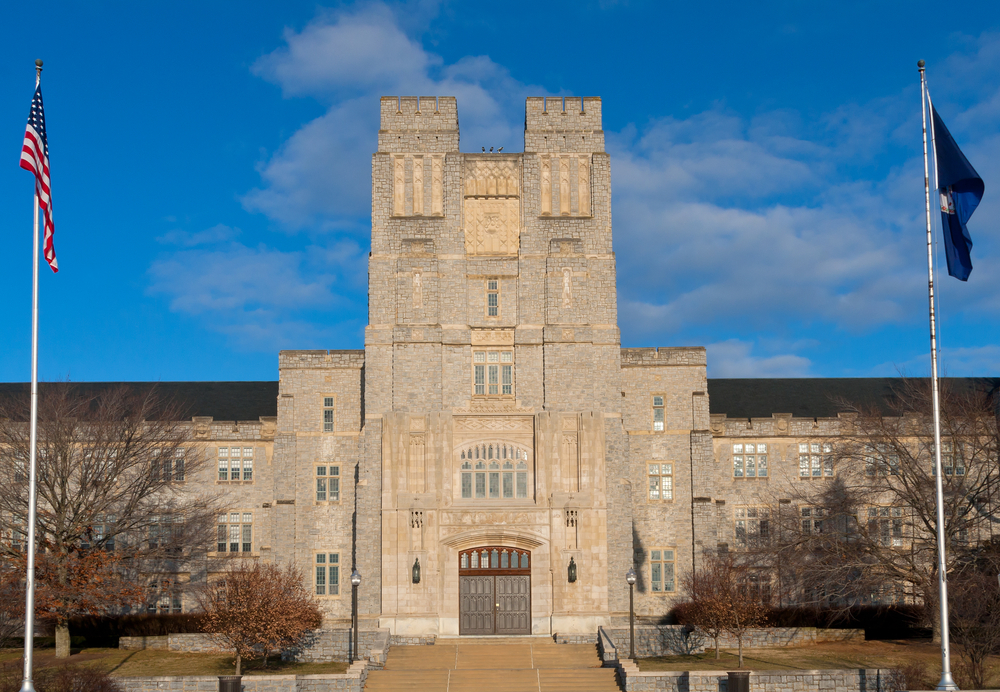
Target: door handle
<point>498,605</point>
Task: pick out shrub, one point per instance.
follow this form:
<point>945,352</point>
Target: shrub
<point>105,631</point>
<point>62,679</point>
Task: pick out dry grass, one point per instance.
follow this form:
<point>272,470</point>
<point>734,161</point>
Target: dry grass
<point>149,663</point>
<point>910,654</point>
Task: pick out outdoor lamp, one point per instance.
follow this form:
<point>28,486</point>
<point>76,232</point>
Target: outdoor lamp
<point>571,572</point>
<point>416,571</point>
<point>630,576</point>
<point>355,578</point>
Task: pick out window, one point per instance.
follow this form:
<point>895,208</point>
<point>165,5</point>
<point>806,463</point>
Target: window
<point>235,463</point>
<point>162,530</point>
<point>164,598</point>
<point>327,484</point>
<point>658,413</point>
<point>753,526</point>
<point>171,469</point>
<point>497,471</point>
<point>812,520</point>
<point>235,532</point>
<point>661,481</point>
<point>885,526</point>
<point>951,465</point>
<point>328,414</point>
<point>756,587</point>
<point>327,574</point>
<point>812,464</point>
<point>880,459</point>
<point>492,298</point>
<point>14,532</point>
<point>749,460</point>
<point>661,570</point>
<point>97,534</point>
<point>493,373</point>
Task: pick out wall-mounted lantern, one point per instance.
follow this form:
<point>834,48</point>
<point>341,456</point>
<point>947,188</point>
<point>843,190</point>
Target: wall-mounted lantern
<point>571,571</point>
<point>416,571</point>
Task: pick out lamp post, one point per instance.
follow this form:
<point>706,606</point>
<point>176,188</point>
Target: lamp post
<point>355,583</point>
<point>630,578</point>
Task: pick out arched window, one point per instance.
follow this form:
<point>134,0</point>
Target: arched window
<point>495,475</point>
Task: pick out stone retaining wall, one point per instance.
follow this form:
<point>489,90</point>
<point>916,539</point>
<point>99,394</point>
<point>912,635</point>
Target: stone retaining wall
<point>423,640</point>
<point>666,640</point>
<point>575,638</point>
<point>835,680</point>
<point>351,681</point>
<point>319,646</point>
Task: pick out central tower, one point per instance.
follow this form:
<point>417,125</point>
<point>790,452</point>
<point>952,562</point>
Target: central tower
<point>492,374</point>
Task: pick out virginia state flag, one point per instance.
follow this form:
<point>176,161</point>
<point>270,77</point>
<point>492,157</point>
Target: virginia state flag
<point>961,192</point>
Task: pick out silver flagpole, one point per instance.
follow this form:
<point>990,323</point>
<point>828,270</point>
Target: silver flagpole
<point>29,592</point>
<point>946,682</point>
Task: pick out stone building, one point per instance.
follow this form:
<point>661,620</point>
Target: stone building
<point>494,461</point>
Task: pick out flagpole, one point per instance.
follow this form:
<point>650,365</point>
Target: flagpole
<point>946,682</point>
<point>27,684</point>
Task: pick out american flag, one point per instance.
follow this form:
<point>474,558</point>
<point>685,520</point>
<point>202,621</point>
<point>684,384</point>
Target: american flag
<point>35,158</point>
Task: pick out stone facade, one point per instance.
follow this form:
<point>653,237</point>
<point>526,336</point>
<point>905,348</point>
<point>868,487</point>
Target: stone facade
<point>493,404</point>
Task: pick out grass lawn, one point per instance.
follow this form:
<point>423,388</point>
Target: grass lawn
<point>155,663</point>
<point>909,654</point>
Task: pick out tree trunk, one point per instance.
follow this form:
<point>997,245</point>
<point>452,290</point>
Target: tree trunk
<point>62,640</point>
<point>740,642</point>
<point>238,664</point>
<point>716,648</point>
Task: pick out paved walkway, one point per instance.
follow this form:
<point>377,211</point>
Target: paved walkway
<point>493,664</point>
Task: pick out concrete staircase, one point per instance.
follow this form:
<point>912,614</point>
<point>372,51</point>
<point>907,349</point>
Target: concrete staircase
<point>493,664</point>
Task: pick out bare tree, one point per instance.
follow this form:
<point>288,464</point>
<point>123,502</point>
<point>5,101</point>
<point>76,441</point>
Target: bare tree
<point>868,536</point>
<point>728,594</point>
<point>255,609</point>
<point>111,470</point>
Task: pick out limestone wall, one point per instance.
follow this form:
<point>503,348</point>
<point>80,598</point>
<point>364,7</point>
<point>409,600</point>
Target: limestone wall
<point>668,640</point>
<point>834,680</point>
<point>353,681</point>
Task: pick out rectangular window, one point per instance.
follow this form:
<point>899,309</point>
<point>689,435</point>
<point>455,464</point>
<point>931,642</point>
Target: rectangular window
<point>885,526</point>
<point>235,463</point>
<point>658,416</point>
<point>753,526</point>
<point>812,520</point>
<point>661,570</point>
<point>813,464</point>
<point>327,574</point>
<point>480,480</point>
<point>493,373</point>
<point>661,481</point>
<point>235,532</point>
<point>179,465</point>
<point>492,298</point>
<point>467,480</point>
<point>327,483</point>
<point>328,414</point>
<point>749,460</point>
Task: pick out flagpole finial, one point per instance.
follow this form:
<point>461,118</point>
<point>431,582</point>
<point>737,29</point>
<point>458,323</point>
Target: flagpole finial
<point>38,63</point>
<point>920,64</point>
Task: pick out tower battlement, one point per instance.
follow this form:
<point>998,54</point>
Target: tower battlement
<point>563,124</point>
<point>418,123</point>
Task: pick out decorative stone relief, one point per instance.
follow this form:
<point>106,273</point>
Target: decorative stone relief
<point>478,424</point>
<point>418,291</point>
<point>492,337</point>
<point>564,197</point>
<point>567,176</point>
<point>583,185</point>
<point>491,178</point>
<point>567,290</point>
<point>546,186</point>
<point>418,185</point>
<point>437,186</point>
<point>492,226</point>
<point>399,186</point>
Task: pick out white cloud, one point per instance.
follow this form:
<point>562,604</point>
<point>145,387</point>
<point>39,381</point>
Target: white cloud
<point>733,358</point>
<point>318,179</point>
<point>216,234</point>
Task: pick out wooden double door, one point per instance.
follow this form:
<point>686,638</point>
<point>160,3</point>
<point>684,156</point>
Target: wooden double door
<point>494,591</point>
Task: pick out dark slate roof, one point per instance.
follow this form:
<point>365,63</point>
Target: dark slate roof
<point>814,397</point>
<point>227,401</point>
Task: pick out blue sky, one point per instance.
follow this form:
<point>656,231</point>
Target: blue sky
<point>211,173</point>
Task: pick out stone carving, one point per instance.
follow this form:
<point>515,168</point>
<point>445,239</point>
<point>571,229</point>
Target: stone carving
<point>491,406</point>
<point>418,185</point>
<point>492,226</point>
<point>583,185</point>
<point>567,291</point>
<point>437,187</point>
<point>418,291</point>
<point>485,518</point>
<point>546,186</point>
<point>477,424</point>
<point>491,178</point>
<point>399,186</point>
<point>492,337</point>
<point>564,198</point>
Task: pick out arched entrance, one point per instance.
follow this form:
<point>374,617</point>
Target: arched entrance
<point>494,590</point>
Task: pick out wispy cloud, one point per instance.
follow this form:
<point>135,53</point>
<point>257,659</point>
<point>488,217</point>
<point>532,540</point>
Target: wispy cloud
<point>734,358</point>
